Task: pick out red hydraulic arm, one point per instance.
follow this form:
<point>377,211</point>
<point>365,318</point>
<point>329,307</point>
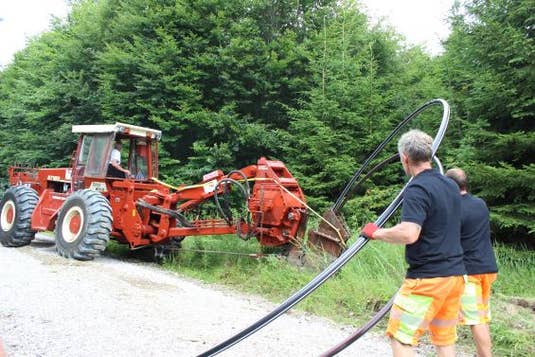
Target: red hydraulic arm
<point>276,206</point>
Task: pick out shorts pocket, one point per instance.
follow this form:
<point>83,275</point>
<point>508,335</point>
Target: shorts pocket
<point>411,311</point>
<point>413,304</point>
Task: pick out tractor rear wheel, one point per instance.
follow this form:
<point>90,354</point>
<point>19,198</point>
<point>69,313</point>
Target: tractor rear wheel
<point>83,226</point>
<point>16,210</point>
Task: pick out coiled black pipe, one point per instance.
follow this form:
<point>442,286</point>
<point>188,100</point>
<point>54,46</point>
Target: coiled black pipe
<point>342,198</point>
<point>353,249</point>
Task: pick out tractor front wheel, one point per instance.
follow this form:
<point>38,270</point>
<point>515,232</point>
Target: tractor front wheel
<point>16,210</point>
<point>83,226</point>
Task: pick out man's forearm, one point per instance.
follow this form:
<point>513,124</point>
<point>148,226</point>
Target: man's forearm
<point>403,233</point>
<point>118,167</point>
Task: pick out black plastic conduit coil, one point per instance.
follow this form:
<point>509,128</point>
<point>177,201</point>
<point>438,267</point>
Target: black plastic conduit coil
<point>353,249</point>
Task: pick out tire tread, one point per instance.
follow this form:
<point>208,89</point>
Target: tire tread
<point>25,199</point>
<point>98,229</point>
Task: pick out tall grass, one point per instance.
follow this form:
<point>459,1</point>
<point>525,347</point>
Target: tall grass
<point>516,271</point>
<point>513,302</point>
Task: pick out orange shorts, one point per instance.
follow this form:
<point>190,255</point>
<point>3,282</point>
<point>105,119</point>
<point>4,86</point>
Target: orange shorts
<point>427,304</point>
<point>475,307</point>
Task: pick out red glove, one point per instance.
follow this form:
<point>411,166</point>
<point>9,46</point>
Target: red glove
<point>368,230</point>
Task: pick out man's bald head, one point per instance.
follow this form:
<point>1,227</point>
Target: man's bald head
<point>459,176</point>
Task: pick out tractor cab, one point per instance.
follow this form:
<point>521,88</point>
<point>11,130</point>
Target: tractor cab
<point>132,149</point>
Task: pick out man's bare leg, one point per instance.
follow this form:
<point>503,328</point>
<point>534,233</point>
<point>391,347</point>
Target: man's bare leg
<point>2,352</point>
<point>445,351</point>
<point>481,335</point>
<point>401,350</point>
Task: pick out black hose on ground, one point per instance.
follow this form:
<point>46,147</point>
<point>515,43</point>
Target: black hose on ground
<point>361,331</point>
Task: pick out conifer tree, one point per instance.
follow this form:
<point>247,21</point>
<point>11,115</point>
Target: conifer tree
<point>489,67</point>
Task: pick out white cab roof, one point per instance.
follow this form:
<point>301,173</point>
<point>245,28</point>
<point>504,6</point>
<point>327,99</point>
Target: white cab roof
<point>127,129</point>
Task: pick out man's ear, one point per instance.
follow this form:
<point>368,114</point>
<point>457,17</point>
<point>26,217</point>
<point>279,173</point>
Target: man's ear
<point>404,158</point>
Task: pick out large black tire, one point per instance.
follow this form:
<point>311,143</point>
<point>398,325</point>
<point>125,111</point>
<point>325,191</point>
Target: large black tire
<point>16,210</point>
<point>83,226</point>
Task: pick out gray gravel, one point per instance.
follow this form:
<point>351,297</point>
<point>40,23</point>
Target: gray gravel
<point>51,306</point>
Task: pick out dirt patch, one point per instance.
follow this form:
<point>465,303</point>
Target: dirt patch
<point>148,285</point>
<point>524,303</point>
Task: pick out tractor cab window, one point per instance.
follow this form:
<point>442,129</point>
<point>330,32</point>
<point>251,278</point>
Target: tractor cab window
<point>138,160</point>
<point>93,156</point>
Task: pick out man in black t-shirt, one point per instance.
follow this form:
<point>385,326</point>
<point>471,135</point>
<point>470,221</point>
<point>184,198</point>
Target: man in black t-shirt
<point>429,298</point>
<point>480,264</point>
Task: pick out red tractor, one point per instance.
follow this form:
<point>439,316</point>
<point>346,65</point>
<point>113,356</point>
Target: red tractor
<point>88,203</point>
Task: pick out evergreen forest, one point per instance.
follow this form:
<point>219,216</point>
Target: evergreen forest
<point>308,82</point>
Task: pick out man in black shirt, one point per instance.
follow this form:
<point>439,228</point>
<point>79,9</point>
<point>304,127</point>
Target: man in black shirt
<point>480,264</point>
<point>429,298</point>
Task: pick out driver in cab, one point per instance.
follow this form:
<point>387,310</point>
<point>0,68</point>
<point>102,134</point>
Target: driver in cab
<point>114,167</point>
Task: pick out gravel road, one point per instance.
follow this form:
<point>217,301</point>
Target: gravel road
<point>51,306</point>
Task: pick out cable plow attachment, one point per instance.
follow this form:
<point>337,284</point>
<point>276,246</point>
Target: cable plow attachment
<point>263,201</point>
<point>350,251</point>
